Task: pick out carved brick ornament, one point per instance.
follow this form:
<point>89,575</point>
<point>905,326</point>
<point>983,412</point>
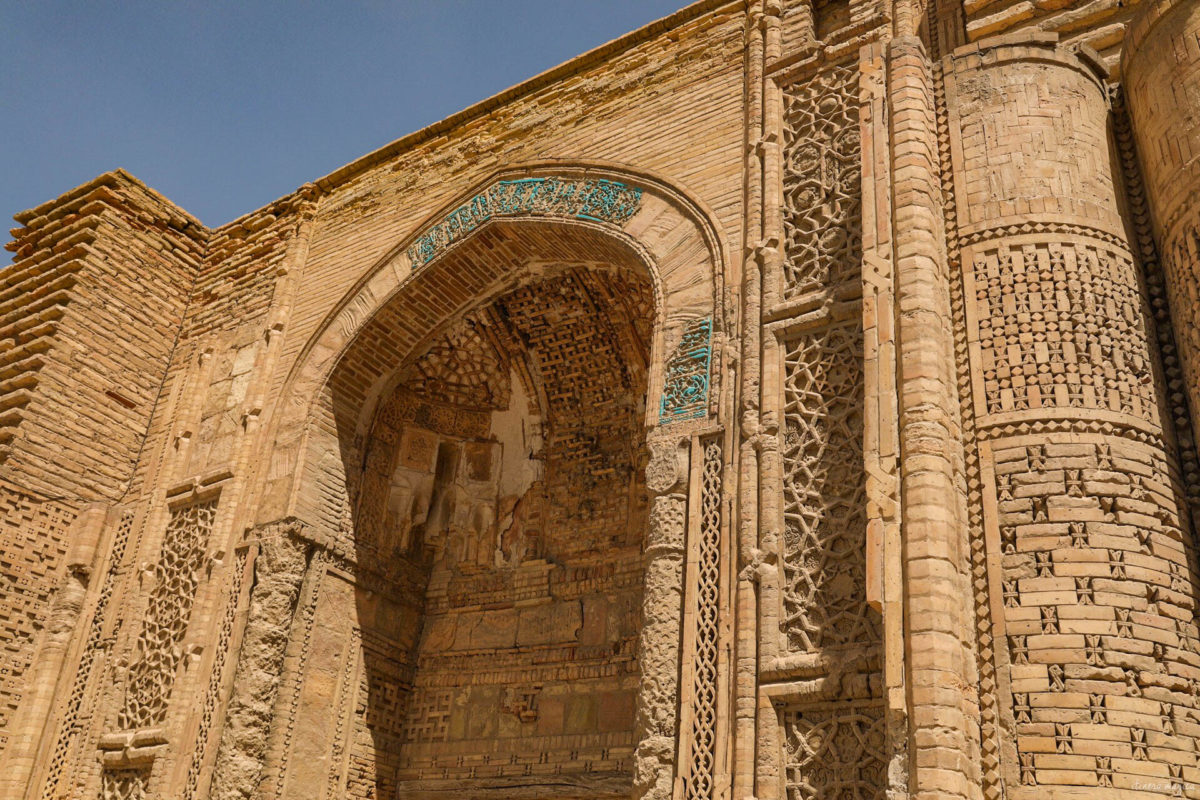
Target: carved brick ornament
<point>788,400</point>
<point>702,764</point>
<point>176,577</point>
<point>824,594</point>
<point>835,752</point>
<point>822,184</point>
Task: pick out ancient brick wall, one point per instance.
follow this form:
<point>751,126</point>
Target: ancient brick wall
<point>1100,25</point>
<point>370,761</point>
<point>601,112</point>
<point>1161,95</point>
<point>34,542</point>
<point>117,263</point>
<point>527,544</point>
<point>780,401</point>
<point>822,626</point>
<point>94,305</point>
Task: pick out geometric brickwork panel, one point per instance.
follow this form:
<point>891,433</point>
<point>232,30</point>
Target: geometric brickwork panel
<point>825,491</point>
<point>835,751</point>
<point>1062,324</point>
<point>1101,635</point>
<point>822,184</point>
<point>32,543</point>
<point>176,579</point>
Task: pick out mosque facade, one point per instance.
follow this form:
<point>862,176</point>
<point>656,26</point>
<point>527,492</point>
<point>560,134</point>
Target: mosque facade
<point>789,400</point>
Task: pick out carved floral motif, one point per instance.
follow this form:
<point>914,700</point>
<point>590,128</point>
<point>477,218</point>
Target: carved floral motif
<point>822,183</point>
<point>685,392</point>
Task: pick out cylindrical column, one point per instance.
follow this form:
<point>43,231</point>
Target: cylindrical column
<point>1161,67</point>
<point>1090,591</point>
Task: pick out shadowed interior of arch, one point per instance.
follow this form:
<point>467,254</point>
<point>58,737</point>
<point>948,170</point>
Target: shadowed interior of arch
<point>498,502</point>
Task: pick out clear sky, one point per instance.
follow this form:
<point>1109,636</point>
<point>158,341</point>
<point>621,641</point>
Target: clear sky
<point>224,106</point>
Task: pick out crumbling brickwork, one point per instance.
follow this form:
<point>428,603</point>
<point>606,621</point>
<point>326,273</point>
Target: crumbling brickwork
<point>786,400</point>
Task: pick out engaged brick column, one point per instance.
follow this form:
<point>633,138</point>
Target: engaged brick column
<point>657,728</point>
<point>1162,85</point>
<point>942,676</point>
<point>1090,591</point>
<point>279,571</point>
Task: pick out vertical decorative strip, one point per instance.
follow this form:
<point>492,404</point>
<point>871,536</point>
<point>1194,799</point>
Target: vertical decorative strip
<point>176,578</point>
<point>823,560</point>
<point>833,402</point>
<point>279,749</point>
<point>822,214</point>
<point>347,698</point>
<point>76,720</point>
<point>212,697</point>
<point>989,712</point>
<point>943,721</point>
<point>685,392</point>
<point>702,760</point>
<point>1160,306</point>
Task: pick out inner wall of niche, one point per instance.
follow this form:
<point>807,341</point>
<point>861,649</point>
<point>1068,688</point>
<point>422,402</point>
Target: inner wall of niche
<point>504,481</point>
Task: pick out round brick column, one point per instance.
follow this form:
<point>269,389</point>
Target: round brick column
<point>1090,596</point>
<point>1161,67</point>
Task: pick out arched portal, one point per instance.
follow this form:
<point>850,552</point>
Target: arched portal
<point>504,474</point>
<point>467,439</point>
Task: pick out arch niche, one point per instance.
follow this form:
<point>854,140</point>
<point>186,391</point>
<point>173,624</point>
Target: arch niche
<point>498,430</point>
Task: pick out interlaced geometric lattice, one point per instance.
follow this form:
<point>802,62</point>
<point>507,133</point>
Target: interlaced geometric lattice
<point>822,181</point>
<point>212,698</point>
<point>461,368</point>
<point>123,784</point>
<point>825,490</point>
<point>176,578</point>
<point>704,711</point>
<point>76,716</point>
<point>835,753</point>
<point>1062,324</point>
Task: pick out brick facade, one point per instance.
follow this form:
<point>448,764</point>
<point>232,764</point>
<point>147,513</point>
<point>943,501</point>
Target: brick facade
<point>788,400</point>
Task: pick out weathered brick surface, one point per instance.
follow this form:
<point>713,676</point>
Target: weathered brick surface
<point>1099,24</point>
<point>1162,67</point>
<point>94,303</point>
<point>780,401</point>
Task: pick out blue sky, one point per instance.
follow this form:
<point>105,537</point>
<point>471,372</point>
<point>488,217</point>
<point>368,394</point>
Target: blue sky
<point>224,106</point>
